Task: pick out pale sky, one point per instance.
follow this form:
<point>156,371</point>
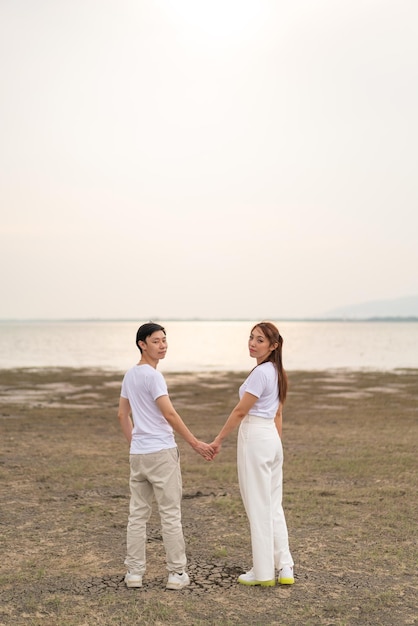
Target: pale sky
<point>206,158</point>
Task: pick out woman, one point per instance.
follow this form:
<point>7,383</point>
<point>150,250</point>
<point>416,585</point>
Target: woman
<point>260,457</point>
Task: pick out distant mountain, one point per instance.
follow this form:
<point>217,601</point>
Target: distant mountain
<point>400,307</point>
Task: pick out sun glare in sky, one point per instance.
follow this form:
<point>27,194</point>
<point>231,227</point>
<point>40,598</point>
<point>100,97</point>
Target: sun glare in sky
<point>229,22</point>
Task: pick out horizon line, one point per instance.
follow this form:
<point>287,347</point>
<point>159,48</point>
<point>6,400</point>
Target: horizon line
<point>374,318</point>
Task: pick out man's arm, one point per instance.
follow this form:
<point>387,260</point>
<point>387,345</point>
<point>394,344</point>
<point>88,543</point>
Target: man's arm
<point>124,416</point>
<point>177,424</point>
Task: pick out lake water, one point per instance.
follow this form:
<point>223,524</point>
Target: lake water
<point>209,345</point>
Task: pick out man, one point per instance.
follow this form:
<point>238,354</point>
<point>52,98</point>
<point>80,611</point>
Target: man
<point>148,418</point>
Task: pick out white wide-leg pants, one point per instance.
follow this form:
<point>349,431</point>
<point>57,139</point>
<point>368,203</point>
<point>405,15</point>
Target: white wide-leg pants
<point>260,476</point>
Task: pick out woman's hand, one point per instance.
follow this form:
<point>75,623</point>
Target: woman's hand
<point>216,447</point>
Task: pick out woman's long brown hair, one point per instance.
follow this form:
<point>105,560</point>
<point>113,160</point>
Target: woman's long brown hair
<point>271,332</point>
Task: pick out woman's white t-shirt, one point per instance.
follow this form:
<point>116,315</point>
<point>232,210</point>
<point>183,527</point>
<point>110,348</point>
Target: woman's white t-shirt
<point>142,385</point>
<point>262,383</point>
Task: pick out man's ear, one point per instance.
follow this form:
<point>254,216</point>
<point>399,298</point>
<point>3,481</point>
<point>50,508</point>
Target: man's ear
<point>142,344</point>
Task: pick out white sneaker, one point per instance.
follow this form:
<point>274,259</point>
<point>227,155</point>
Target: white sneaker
<point>286,576</point>
<point>177,581</point>
<point>249,579</point>
<point>133,580</point>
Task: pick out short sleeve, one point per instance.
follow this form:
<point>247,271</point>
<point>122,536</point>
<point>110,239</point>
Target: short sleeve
<point>158,386</point>
<point>256,382</point>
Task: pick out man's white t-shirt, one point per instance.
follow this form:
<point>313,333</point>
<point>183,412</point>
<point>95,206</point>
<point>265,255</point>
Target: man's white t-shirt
<point>142,385</point>
<point>262,383</point>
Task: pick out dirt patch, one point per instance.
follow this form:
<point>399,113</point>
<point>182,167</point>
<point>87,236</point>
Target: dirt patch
<point>349,496</point>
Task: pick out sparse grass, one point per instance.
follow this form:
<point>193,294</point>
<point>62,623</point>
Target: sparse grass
<point>221,473</point>
<point>349,496</point>
<point>230,505</point>
<point>220,551</point>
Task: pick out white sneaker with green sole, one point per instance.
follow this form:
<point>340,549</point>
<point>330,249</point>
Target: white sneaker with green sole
<point>286,576</point>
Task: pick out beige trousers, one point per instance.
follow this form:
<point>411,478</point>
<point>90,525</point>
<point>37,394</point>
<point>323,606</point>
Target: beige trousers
<point>156,474</point>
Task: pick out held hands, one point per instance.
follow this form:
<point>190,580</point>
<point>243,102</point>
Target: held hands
<point>207,450</point>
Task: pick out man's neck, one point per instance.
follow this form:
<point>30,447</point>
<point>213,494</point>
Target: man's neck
<point>145,360</point>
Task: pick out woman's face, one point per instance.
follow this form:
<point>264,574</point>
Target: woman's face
<point>258,345</point>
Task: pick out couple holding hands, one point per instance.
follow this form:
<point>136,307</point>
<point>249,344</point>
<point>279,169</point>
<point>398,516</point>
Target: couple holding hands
<point>148,421</point>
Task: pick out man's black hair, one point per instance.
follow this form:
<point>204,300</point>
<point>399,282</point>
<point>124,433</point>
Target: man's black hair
<point>146,330</point>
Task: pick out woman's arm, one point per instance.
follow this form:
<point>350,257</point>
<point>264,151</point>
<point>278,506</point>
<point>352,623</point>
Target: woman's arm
<point>278,420</point>
<point>238,413</point>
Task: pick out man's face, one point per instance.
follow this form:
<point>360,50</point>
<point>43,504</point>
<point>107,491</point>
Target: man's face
<point>155,346</point>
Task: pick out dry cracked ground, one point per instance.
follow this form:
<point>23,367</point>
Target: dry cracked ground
<point>350,497</point>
